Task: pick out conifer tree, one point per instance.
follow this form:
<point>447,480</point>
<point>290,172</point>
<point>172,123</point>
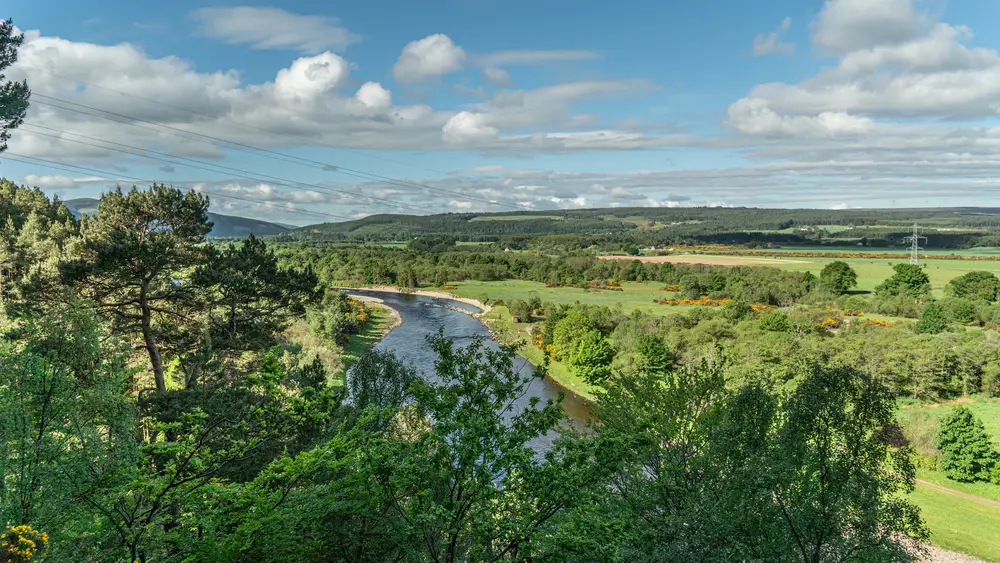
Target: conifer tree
<point>133,259</point>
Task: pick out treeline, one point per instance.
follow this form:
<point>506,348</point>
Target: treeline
<point>407,268</point>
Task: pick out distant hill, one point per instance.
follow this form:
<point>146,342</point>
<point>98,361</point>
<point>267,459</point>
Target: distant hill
<point>949,227</point>
<point>223,226</point>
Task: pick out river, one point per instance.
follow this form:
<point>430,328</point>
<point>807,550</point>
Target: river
<point>423,316</point>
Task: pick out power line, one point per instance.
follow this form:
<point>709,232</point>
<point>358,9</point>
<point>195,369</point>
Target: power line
<point>287,135</point>
<point>54,165</point>
<point>268,152</point>
<point>250,175</point>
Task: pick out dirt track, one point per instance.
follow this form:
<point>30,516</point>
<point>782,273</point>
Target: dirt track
<point>704,259</point>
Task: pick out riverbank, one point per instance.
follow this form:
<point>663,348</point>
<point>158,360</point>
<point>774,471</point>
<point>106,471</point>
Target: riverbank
<point>384,319</point>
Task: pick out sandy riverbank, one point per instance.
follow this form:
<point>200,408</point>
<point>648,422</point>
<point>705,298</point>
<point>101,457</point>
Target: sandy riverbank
<point>484,308</point>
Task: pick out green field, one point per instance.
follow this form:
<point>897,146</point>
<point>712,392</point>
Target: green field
<point>635,295</point>
<point>921,422</point>
<point>960,524</point>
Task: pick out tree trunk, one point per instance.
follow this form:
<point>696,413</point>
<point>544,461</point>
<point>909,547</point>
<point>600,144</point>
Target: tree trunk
<point>149,338</point>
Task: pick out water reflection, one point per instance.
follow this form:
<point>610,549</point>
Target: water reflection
<point>423,316</point>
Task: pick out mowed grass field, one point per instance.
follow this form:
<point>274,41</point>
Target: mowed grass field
<point>959,523</point>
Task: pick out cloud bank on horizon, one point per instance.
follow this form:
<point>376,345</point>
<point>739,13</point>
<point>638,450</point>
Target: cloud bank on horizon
<point>896,107</point>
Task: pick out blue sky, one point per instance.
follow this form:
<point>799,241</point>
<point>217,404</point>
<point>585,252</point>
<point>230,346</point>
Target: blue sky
<point>493,105</point>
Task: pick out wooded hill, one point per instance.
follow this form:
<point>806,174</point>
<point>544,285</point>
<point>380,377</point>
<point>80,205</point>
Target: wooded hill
<point>647,226</point>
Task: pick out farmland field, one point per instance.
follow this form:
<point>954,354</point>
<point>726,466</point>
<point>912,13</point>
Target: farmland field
<point>636,295</point>
<point>871,271</point>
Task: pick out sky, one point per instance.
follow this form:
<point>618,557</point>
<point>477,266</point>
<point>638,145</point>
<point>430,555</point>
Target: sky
<point>304,111</point>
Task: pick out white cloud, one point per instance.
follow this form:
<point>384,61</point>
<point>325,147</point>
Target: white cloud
<point>428,58</point>
<point>755,117</point>
<point>467,127</point>
<point>849,25</point>
<point>272,28</point>
<point>311,77</point>
<point>50,181</point>
<point>269,193</point>
<point>497,76</point>
<point>533,57</point>
<point>374,96</point>
<point>771,42</point>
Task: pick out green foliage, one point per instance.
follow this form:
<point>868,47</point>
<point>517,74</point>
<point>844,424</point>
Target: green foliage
<point>13,95</point>
<point>908,279</point>
<point>838,277</point>
<point>978,286</point>
<point>775,321</point>
<point>804,472</point>
<point>379,381</point>
<point>966,451</point>
<point>131,263</point>
<point>248,299</point>
<point>592,358</point>
<point>933,319</point>
<point>569,331</point>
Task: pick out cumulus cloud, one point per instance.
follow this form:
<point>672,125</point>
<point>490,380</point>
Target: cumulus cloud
<point>467,127</point>
<point>848,25</point>
<point>374,96</point>
<point>769,43</point>
<point>428,58</point>
<point>310,77</point>
<point>272,28</point>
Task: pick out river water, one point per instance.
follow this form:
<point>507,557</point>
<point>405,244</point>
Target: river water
<point>423,316</point>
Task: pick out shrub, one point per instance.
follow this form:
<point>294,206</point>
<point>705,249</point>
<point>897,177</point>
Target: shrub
<point>966,451</point>
<point>981,286</point>
<point>908,279</point>
<point>775,321</point>
<point>933,319</point>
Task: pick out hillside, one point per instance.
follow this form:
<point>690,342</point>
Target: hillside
<point>223,226</point>
<point>950,227</point>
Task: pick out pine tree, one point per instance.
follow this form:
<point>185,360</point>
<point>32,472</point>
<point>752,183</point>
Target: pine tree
<point>133,258</point>
<point>13,95</point>
<point>966,451</point>
<point>248,298</point>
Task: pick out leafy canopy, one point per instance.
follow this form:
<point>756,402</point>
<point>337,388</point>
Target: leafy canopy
<point>838,277</point>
